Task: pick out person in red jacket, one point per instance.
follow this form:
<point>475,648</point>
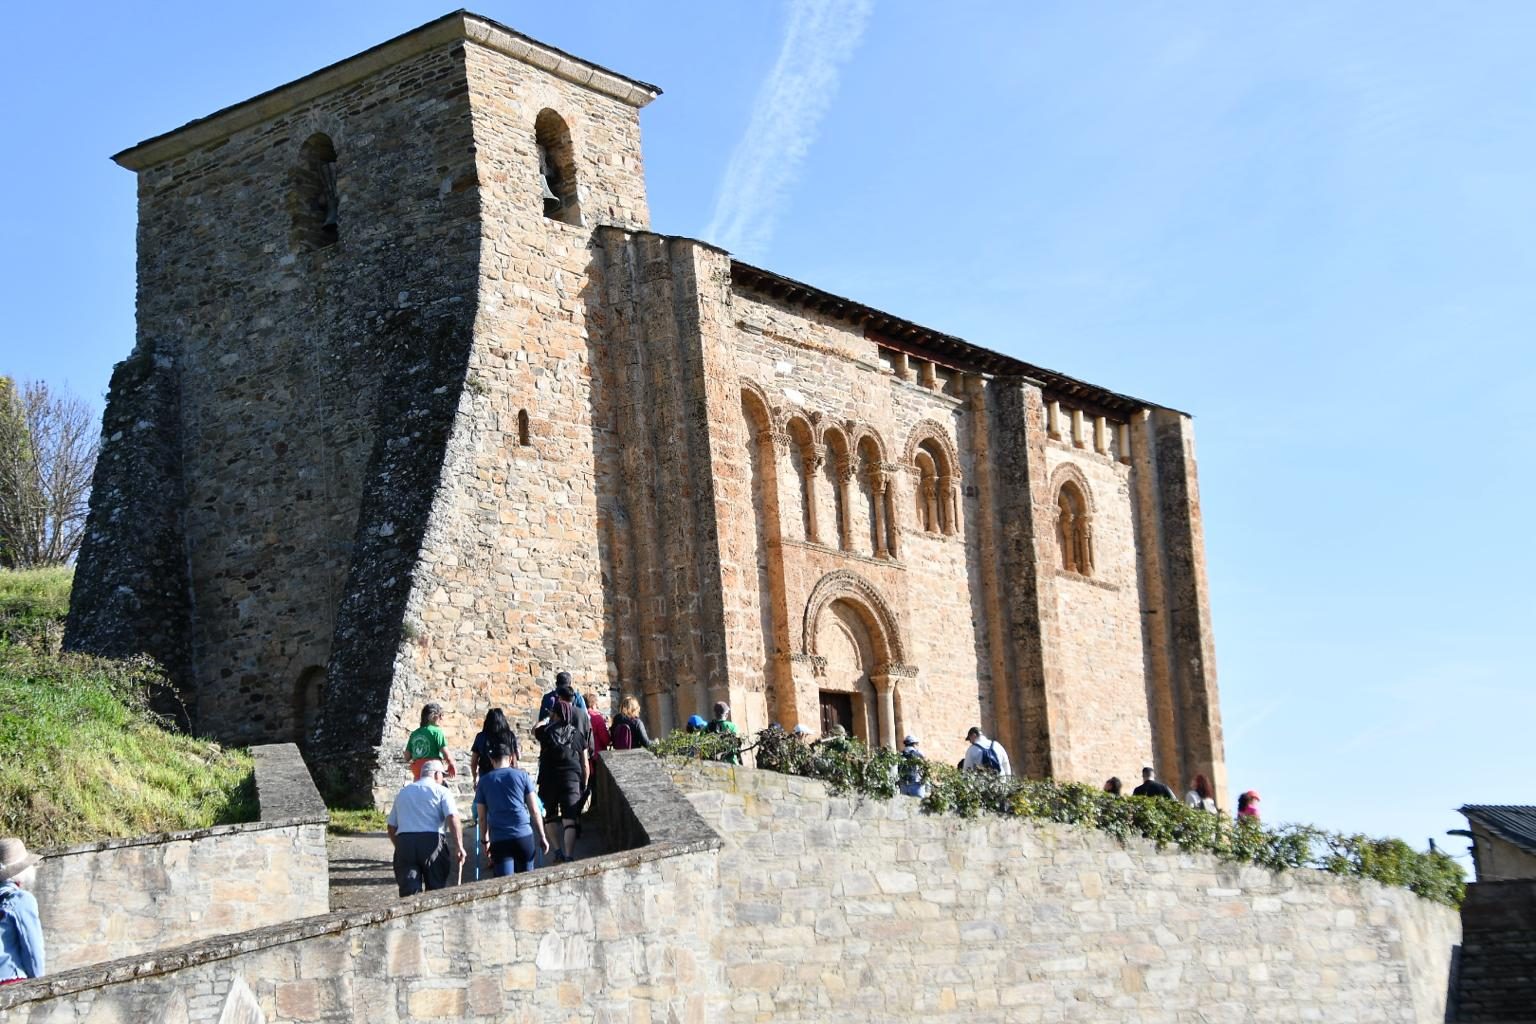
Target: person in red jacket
<point>600,740</point>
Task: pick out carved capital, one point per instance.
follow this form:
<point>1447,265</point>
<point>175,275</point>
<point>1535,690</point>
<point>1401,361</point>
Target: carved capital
<point>901,671</point>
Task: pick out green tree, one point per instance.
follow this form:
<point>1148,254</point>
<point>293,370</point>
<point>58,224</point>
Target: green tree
<point>48,444</point>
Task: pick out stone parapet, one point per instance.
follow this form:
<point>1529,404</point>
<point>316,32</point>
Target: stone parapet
<point>622,936</point>
<point>850,909</point>
<point>123,897</point>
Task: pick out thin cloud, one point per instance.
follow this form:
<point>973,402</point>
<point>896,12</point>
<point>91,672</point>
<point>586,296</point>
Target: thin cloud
<point>820,37</point>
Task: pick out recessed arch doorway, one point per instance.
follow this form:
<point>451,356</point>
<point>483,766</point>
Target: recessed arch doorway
<point>852,638</point>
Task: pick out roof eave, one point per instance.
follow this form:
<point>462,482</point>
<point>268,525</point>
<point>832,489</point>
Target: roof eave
<point>451,28</point>
<point>945,349</point>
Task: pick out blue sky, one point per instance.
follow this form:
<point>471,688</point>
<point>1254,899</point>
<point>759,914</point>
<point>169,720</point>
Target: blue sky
<point>1310,227</point>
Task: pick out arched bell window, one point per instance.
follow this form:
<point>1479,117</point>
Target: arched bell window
<point>1074,530</point>
<point>557,168</point>
<point>314,202</point>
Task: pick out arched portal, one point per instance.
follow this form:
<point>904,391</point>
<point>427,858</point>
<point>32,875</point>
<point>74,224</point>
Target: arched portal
<point>845,695</point>
<point>851,636</point>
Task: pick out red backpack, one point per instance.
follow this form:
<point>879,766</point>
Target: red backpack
<point>622,735</point>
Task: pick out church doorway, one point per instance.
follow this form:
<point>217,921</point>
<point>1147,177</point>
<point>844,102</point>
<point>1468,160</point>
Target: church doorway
<point>836,709</point>
<point>842,637</point>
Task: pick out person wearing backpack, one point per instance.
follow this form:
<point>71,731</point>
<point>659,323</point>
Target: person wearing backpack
<point>21,929</point>
<point>627,732</point>
<point>911,773</point>
<point>984,755</point>
<point>722,724</point>
<point>565,751</point>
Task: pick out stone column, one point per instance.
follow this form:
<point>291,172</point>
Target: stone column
<point>815,456</point>
<point>885,696</point>
<point>845,476</point>
<point>892,522</point>
<point>930,505</point>
<point>877,486</point>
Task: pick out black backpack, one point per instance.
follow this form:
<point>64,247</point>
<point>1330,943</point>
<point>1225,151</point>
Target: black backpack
<point>562,739</point>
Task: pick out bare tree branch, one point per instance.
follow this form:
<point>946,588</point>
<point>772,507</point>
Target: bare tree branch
<point>48,444</point>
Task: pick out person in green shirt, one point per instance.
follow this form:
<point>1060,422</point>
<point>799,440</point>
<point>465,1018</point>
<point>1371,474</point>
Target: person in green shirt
<point>428,742</point>
<point>722,723</point>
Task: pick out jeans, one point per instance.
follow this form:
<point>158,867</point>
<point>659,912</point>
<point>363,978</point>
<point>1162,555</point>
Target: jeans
<point>512,855</point>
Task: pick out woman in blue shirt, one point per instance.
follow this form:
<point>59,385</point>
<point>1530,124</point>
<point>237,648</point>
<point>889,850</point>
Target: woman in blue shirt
<point>511,826</point>
<point>21,933</point>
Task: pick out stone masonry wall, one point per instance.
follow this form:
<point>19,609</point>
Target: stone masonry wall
<point>825,373</point>
<point>626,937</point>
<point>131,897</point>
<point>856,910</point>
<point>755,896</point>
<point>288,362</point>
<point>509,585</point>
<point>1098,618</point>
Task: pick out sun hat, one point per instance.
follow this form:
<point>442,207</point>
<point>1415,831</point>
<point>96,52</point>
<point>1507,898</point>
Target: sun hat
<point>14,858</point>
<point>910,741</point>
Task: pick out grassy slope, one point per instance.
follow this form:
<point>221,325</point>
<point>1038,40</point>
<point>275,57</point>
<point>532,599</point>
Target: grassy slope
<point>81,756</point>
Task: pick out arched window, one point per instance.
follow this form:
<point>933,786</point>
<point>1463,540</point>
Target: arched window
<point>1074,529</point>
<point>927,493</point>
<point>523,436</point>
<point>313,200</point>
<point>937,479</point>
<point>557,167</point>
<point>308,698</point>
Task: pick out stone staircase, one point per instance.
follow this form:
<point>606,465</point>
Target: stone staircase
<point>1496,980</point>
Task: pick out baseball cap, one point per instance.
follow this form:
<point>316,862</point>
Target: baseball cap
<point>910,741</point>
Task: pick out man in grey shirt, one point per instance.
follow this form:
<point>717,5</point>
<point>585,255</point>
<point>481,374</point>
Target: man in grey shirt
<point>422,811</point>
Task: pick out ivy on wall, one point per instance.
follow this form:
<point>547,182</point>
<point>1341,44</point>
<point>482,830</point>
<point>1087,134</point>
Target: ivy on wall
<point>848,766</point>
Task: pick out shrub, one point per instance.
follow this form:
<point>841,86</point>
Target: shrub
<point>849,766</point>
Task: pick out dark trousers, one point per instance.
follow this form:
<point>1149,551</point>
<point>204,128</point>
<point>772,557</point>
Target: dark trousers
<point>421,861</point>
<point>509,856</point>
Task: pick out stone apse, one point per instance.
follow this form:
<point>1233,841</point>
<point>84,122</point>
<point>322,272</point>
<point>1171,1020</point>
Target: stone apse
<point>420,408</point>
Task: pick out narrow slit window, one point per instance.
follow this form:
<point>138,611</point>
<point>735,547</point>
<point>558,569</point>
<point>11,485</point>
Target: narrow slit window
<point>522,428</point>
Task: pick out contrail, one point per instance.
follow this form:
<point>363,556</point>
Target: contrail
<point>819,39</point>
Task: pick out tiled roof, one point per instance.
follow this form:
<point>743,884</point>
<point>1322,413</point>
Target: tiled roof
<point>1513,824</point>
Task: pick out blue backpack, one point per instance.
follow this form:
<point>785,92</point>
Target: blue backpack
<point>989,761</point>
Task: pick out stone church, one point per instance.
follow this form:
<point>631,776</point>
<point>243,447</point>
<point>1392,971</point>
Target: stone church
<point>421,409</point>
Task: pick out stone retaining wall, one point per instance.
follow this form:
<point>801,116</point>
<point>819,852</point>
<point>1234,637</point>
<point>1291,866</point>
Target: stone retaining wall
<point>130,897</point>
<point>760,896</point>
<point>623,937</point>
<point>836,908</point>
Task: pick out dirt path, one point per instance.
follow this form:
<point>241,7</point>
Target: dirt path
<point>362,878</point>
